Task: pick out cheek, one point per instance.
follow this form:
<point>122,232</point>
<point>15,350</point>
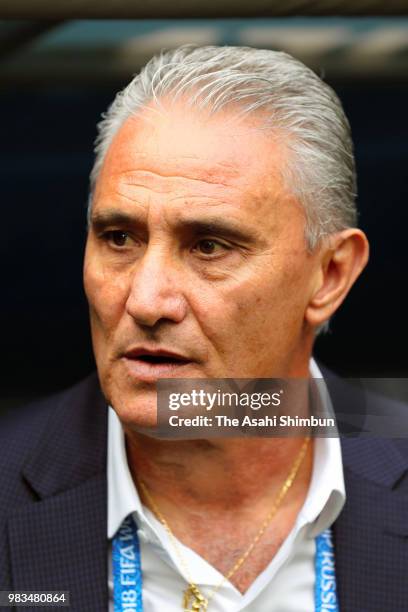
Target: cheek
<point>106,293</point>
<point>258,311</point>
<point>229,317</point>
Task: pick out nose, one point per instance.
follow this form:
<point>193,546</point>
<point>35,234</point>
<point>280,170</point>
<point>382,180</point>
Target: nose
<point>156,290</point>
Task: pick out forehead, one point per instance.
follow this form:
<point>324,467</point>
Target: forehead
<point>179,138</point>
<point>181,154</point>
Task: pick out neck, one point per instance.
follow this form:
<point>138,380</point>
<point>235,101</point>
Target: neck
<point>215,475</point>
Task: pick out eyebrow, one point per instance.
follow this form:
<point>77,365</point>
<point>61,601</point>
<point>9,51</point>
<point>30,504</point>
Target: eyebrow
<point>101,220</point>
<point>218,227</point>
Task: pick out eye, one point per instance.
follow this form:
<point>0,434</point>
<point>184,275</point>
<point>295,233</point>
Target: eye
<point>209,247</point>
<point>116,237</point>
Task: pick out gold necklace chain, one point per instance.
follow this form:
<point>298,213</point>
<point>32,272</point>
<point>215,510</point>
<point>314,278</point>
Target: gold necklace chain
<point>193,595</point>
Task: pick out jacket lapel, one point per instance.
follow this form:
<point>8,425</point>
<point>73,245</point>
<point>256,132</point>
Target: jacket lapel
<point>59,542</point>
<point>371,533</point>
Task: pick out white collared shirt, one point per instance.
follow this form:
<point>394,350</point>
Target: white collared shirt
<point>286,584</point>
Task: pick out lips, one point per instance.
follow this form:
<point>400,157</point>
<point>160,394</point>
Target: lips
<point>151,364</point>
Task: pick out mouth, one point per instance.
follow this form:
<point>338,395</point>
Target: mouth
<point>150,365</point>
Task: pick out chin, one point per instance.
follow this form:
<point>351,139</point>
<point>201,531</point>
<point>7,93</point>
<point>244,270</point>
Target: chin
<point>135,403</point>
<point>136,413</point>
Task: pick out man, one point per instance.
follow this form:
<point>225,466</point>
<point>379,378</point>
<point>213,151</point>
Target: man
<point>221,239</point>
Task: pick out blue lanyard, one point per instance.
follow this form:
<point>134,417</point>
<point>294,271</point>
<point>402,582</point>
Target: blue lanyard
<point>325,584</point>
<point>127,571</point>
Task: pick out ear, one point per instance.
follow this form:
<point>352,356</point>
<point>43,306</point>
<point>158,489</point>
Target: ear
<point>342,257</point>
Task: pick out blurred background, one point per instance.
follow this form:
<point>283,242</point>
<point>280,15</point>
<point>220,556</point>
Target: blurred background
<point>57,77</point>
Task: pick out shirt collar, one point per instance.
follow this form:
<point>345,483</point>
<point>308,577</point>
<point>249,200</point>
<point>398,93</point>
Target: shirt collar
<point>123,498</point>
<point>324,501</point>
<point>327,493</point>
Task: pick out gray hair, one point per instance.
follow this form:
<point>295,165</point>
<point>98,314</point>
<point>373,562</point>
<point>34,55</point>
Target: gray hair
<point>291,100</point>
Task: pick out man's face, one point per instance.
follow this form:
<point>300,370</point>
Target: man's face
<point>196,263</point>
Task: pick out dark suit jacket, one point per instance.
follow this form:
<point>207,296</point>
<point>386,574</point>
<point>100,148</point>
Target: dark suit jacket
<point>53,508</point>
